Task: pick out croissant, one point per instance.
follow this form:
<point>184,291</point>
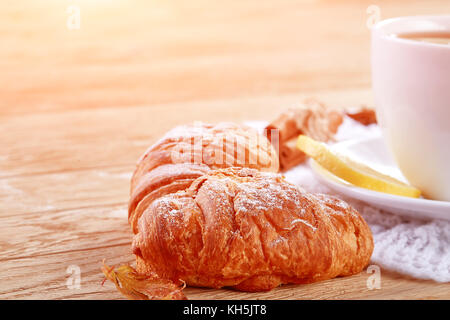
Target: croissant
<point>187,152</point>
<point>250,230</point>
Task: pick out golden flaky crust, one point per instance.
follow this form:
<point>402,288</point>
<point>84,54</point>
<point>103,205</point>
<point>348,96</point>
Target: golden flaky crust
<point>252,231</point>
<point>187,152</point>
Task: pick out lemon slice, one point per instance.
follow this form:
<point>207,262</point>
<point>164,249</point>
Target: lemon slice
<point>354,172</point>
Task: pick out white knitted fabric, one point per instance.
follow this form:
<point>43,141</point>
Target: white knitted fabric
<point>420,249</point>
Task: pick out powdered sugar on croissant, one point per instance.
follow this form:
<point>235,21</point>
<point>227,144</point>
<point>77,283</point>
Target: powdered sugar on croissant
<point>249,230</point>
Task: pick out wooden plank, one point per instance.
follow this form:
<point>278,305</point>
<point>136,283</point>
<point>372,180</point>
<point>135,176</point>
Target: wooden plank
<point>393,286</point>
<point>99,138</point>
<point>133,52</point>
<point>41,193</point>
<point>43,233</point>
<point>46,278</point>
<point>151,53</point>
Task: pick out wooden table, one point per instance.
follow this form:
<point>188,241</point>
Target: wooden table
<point>78,107</point>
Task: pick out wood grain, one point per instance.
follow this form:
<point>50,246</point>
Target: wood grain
<point>79,107</point>
<point>99,138</point>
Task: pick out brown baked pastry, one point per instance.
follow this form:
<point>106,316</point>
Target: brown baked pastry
<point>249,230</point>
<point>311,118</point>
<point>187,152</point>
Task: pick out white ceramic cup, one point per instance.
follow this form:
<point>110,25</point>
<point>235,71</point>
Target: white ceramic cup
<point>411,84</point>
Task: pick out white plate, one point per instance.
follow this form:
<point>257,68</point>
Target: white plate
<point>373,152</point>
